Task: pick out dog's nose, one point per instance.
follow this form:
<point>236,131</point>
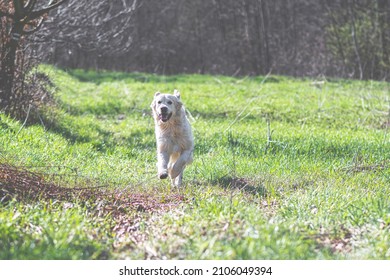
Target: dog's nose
<point>164,109</point>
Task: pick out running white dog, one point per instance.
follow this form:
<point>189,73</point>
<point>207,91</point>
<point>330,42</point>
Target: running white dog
<point>175,143</point>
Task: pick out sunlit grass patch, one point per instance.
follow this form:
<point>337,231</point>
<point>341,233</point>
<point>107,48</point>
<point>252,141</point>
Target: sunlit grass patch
<point>283,168</point>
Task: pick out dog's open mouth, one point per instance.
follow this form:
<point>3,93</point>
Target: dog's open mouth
<point>164,117</point>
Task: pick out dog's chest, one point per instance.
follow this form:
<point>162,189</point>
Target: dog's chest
<point>173,139</point>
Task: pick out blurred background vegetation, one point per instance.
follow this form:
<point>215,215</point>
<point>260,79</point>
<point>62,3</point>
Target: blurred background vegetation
<point>332,38</point>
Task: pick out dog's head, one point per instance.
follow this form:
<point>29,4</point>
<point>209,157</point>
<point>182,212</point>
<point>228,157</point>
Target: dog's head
<point>165,106</point>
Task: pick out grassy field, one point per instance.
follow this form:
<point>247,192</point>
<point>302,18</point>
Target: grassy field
<point>283,168</point>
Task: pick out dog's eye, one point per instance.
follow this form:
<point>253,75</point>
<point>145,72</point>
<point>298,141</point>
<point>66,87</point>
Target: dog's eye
<point>159,102</point>
<point>170,102</point>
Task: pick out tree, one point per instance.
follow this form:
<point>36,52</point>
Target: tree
<point>18,18</point>
<point>252,37</point>
<point>86,33</point>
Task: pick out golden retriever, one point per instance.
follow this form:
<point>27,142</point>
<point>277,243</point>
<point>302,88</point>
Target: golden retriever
<point>175,143</point>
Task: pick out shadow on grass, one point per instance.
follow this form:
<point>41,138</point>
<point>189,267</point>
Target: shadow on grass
<point>99,77</point>
<point>242,184</point>
<point>91,132</point>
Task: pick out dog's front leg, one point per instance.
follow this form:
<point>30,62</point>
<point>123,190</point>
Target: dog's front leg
<point>162,165</point>
<point>184,159</point>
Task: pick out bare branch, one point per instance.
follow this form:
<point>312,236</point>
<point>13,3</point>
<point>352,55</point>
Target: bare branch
<point>34,29</point>
<point>29,6</point>
<point>52,5</point>
<point>98,26</point>
<point>18,6</point>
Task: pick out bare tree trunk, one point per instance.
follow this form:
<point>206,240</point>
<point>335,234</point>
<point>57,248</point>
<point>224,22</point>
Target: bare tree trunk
<point>253,40</point>
<point>351,5</point>
<point>24,20</point>
<point>8,65</point>
<point>382,15</point>
<point>340,48</point>
<point>199,42</point>
<point>264,25</point>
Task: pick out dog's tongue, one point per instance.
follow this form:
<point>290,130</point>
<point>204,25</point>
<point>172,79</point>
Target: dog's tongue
<point>164,117</point>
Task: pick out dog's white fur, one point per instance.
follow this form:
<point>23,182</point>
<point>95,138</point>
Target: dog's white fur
<point>175,143</point>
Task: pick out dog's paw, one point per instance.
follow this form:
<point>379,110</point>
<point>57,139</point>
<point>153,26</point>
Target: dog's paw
<point>163,175</point>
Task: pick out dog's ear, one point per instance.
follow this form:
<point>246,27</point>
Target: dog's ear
<point>176,93</point>
<point>153,105</point>
<point>179,104</point>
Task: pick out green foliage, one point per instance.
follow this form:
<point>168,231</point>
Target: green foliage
<point>314,185</point>
<point>49,231</point>
<point>358,38</point>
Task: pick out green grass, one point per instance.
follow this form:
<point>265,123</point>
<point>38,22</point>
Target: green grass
<point>48,231</point>
<point>318,190</point>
